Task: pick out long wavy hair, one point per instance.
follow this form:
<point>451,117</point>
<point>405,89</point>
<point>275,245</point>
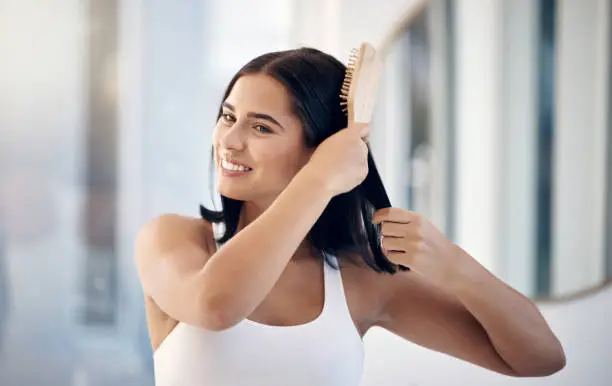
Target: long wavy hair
<point>313,80</point>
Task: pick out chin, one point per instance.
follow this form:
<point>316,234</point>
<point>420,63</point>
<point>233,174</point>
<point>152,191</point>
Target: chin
<point>237,190</point>
<point>234,194</point>
<point>245,194</point>
<point>237,197</point>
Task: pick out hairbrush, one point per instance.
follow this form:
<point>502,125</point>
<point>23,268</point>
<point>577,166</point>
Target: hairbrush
<point>358,97</point>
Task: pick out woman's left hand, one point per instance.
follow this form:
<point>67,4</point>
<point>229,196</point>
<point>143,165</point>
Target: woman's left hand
<point>410,240</point>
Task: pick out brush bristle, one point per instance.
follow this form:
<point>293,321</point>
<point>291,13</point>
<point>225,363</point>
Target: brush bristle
<point>348,78</point>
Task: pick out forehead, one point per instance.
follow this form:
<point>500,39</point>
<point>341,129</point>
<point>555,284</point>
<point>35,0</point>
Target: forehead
<point>261,94</point>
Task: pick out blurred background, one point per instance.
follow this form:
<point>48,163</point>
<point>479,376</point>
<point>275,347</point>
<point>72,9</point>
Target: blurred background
<point>493,121</point>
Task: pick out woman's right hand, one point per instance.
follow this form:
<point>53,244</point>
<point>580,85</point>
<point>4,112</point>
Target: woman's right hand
<point>340,162</point>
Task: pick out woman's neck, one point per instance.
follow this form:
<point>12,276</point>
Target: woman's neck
<point>251,211</point>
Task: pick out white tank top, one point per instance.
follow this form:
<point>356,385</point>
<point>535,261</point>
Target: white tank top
<point>327,351</point>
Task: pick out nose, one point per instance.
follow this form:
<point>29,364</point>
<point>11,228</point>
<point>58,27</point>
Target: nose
<point>233,138</point>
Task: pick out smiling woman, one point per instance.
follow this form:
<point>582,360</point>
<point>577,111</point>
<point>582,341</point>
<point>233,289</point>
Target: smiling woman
<point>282,154</point>
<point>284,295</point>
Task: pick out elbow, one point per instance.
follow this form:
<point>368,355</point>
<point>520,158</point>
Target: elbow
<point>217,314</point>
<point>559,360</point>
<point>560,363</point>
<point>215,321</point>
<point>547,365</point>
<point>554,361</point>
<point>545,369</point>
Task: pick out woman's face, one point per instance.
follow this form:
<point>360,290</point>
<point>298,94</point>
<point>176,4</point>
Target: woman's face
<point>258,140</point>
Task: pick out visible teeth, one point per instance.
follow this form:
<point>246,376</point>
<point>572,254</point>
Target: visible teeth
<point>231,166</point>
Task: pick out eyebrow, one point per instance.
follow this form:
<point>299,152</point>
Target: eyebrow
<point>266,117</point>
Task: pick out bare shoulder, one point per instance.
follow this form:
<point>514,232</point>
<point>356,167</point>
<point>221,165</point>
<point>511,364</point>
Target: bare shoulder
<point>168,248</point>
<point>169,231</point>
<point>171,226</point>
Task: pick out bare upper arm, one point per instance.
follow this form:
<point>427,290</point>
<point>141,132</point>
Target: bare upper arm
<point>428,316</point>
<point>170,253</point>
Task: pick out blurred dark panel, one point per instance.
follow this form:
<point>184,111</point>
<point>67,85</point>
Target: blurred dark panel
<point>101,144</point>
<point>451,162</point>
<point>419,48</point>
<point>545,138</point>
<point>608,230</point>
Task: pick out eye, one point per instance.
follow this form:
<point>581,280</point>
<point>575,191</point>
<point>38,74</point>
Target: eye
<point>227,117</point>
<point>262,129</point>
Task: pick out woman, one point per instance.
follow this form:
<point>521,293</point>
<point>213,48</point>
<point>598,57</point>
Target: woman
<point>266,303</point>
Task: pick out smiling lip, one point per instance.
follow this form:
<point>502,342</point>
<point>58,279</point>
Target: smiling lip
<point>232,173</point>
<point>230,160</point>
<point>237,163</point>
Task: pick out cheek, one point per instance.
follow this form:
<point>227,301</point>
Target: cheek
<point>286,163</point>
<point>216,136</point>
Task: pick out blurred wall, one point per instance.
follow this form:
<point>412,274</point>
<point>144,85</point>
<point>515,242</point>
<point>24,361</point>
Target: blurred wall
<point>41,115</point>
